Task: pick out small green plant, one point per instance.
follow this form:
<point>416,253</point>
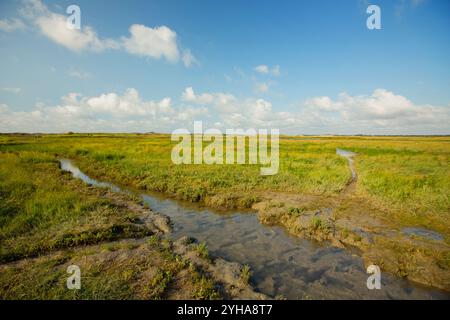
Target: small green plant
<point>153,240</point>
<point>296,211</point>
<point>204,288</point>
<point>202,250</point>
<point>246,273</point>
<point>159,284</point>
<point>316,223</point>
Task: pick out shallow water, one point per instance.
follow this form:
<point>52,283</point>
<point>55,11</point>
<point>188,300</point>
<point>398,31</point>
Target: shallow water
<point>349,156</point>
<point>281,264</point>
<point>345,153</point>
<point>424,233</point>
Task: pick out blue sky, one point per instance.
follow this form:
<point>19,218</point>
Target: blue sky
<point>300,66</point>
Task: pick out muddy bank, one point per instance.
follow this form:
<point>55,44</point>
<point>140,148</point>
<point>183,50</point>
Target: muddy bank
<point>226,276</point>
<point>282,265</point>
<point>348,221</point>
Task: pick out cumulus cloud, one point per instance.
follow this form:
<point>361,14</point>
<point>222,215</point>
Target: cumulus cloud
<point>381,112</point>
<point>152,42</point>
<point>235,112</point>
<point>218,98</point>
<point>156,43</point>
<point>107,112</point>
<point>53,26</point>
<point>262,69</point>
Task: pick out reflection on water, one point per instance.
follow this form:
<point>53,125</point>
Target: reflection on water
<point>281,264</point>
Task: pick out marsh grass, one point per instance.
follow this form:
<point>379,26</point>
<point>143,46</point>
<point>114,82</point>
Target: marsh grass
<point>48,220</point>
<point>407,177</point>
<point>202,250</point>
<point>246,273</point>
<point>43,209</point>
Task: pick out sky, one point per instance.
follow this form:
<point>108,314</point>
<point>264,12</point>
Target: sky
<point>303,67</point>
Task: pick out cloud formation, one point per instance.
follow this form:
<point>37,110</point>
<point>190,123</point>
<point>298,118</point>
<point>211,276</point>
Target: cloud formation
<point>264,69</point>
<point>152,42</point>
<point>381,112</point>
<point>156,43</point>
<point>107,112</point>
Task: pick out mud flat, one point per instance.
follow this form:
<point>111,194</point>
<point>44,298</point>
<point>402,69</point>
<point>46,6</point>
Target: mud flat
<point>283,266</point>
<point>351,222</point>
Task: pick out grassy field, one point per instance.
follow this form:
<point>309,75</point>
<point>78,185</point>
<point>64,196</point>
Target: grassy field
<point>407,176</point>
<point>48,221</point>
<point>406,180</point>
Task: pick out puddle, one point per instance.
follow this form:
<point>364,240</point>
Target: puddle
<point>345,153</point>
<point>349,155</point>
<point>424,233</point>
<point>282,265</point>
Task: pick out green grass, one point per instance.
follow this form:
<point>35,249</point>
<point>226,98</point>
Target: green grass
<point>408,177</point>
<point>47,215</point>
<point>246,273</point>
<point>44,211</point>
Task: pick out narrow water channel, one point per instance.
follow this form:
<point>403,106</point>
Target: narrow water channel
<point>282,265</point>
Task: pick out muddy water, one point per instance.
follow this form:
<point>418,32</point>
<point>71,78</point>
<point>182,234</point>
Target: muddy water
<point>282,265</point>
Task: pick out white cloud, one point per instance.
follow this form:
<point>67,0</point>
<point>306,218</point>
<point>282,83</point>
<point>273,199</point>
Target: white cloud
<point>219,99</point>
<point>234,112</point>
<point>107,112</point>
<point>11,25</point>
<point>188,58</point>
<point>152,42</point>
<point>262,69</point>
<point>11,90</point>
<point>157,43</point>
<point>54,27</point>
<point>381,112</point>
